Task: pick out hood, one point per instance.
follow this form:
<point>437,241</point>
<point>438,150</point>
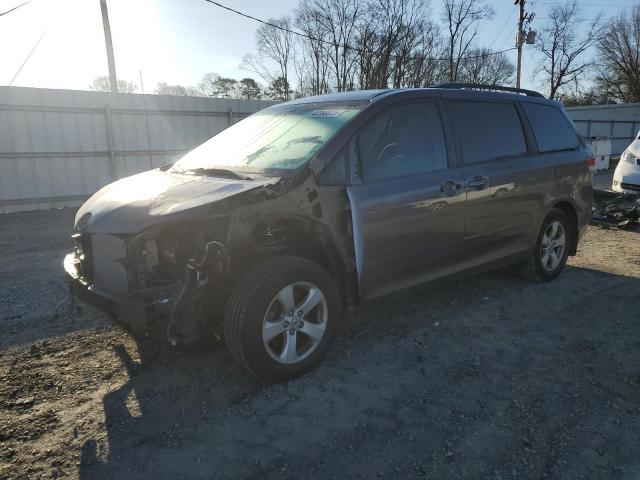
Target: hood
<point>135,203</point>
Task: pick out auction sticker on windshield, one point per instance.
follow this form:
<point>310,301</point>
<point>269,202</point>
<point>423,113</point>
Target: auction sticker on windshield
<point>326,113</point>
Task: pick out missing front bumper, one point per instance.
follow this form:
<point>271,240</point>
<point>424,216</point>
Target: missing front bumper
<point>140,317</point>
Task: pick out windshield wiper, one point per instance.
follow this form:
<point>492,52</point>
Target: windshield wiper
<point>219,172</point>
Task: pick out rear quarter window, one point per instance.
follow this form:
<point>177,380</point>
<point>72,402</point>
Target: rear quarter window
<point>552,129</point>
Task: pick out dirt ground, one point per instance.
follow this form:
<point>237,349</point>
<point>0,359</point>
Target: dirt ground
<point>490,377</point>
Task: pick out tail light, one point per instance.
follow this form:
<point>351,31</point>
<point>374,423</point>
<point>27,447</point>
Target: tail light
<point>591,161</point>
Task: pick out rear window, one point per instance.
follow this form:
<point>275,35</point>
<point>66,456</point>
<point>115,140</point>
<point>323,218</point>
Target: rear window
<point>552,129</point>
<point>487,131</point>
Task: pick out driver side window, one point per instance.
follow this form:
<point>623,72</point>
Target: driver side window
<point>402,140</point>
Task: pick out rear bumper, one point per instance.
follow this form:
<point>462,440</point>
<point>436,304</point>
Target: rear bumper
<point>138,316</point>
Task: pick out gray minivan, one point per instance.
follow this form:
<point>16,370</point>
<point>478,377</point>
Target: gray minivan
<point>267,231</point>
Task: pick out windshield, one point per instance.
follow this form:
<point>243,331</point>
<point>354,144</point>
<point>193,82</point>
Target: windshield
<point>278,138</point>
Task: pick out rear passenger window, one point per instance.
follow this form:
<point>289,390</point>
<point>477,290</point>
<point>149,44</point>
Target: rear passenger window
<point>402,140</point>
<point>487,131</point>
<point>552,129</point>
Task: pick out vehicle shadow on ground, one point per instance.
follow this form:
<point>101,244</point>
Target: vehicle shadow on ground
<point>182,415</point>
<point>167,394</point>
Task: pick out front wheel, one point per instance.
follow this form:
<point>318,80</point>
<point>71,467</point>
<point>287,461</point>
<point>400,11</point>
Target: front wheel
<point>281,317</point>
<point>551,251</point>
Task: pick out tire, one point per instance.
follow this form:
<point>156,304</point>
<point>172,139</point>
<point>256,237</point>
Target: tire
<point>259,306</point>
<point>544,266</point>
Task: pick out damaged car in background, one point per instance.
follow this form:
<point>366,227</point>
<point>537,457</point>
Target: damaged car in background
<point>626,177</point>
<point>620,206</point>
<point>267,231</point>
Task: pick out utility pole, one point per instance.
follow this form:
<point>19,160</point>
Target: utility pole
<point>113,79</point>
<point>520,39</point>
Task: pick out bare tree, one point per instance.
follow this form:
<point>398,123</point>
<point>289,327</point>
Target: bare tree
<point>589,97</point>
<point>483,65</point>
<point>209,84</point>
<point>618,71</point>
<point>215,85</point>
<point>388,24</point>
<point>313,63</point>
<point>103,84</point>
<point>398,45</point>
<point>347,44</point>
<point>163,88</point>
<point>424,66</point>
<point>417,42</point>
<point>328,48</point>
<point>563,49</point>
<point>462,19</point>
<point>339,20</point>
<point>274,43</point>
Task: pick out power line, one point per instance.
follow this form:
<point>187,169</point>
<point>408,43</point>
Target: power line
<point>502,29</point>
<point>344,46</point>
<point>15,8</point>
<point>28,57</point>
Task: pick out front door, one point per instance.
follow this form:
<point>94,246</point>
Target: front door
<point>409,209</point>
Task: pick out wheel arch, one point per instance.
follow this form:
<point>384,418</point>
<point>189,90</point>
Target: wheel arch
<point>569,209</point>
<point>298,237</point>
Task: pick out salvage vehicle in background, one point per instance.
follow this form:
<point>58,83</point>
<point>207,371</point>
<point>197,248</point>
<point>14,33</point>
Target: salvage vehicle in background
<point>614,209</point>
<point>271,228</point>
<point>626,178</point>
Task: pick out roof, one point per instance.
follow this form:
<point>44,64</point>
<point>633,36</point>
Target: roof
<point>354,95</point>
<point>370,95</point>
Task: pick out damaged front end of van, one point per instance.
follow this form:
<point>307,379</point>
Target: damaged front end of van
<point>160,252</point>
<point>157,268</point>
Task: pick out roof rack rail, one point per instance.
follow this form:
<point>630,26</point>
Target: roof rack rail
<point>496,88</point>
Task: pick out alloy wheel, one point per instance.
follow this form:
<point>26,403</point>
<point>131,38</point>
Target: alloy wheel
<point>552,246</point>
<point>295,322</point>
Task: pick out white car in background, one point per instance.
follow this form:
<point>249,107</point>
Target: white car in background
<point>626,178</point>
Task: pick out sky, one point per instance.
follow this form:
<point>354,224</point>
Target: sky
<point>178,41</point>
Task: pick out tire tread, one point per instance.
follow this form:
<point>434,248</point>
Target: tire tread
<point>235,316</point>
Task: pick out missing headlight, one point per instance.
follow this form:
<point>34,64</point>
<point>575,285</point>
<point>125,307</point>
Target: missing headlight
<point>150,254</point>
<point>167,250</point>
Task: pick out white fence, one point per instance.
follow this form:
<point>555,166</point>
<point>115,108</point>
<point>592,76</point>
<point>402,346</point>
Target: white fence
<point>57,147</point>
<point>619,122</point>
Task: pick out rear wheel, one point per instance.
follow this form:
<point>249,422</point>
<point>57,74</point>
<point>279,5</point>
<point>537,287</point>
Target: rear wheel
<point>281,317</point>
<point>551,250</point>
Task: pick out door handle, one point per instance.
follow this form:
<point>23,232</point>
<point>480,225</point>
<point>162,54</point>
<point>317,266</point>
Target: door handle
<point>450,188</point>
<point>478,182</point>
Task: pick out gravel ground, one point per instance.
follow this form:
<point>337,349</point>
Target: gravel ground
<point>489,377</point>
